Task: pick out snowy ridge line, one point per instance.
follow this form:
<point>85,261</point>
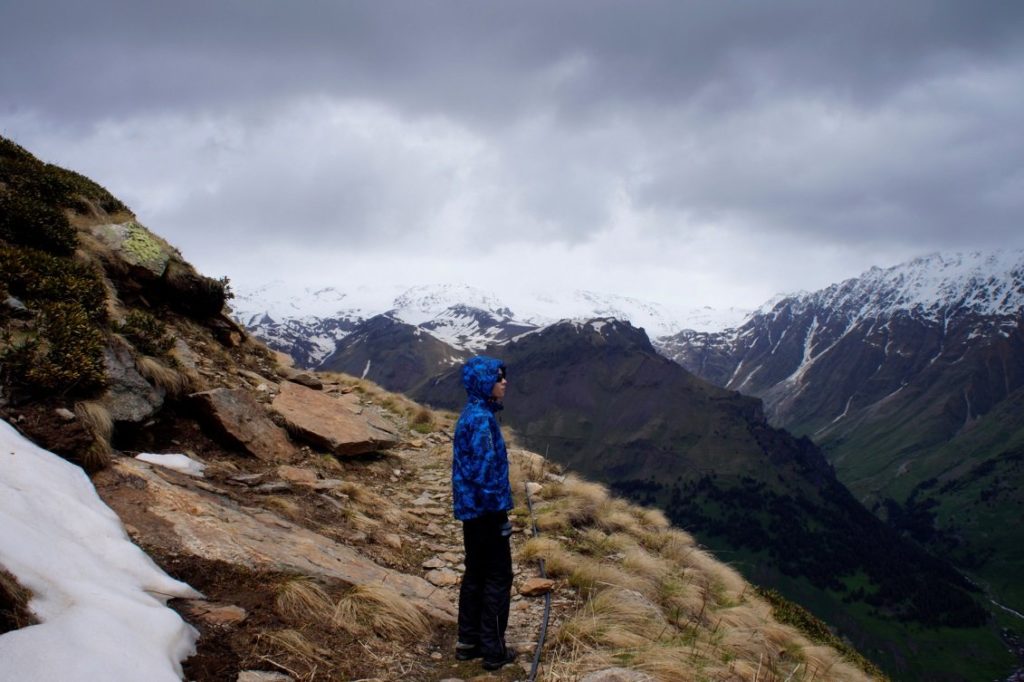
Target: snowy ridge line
<point>936,286</point>
<point>100,600</point>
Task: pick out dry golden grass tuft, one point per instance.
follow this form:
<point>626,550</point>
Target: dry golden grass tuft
<point>96,420</point>
<point>382,610</point>
<point>558,561</point>
<point>173,382</point>
<point>616,618</point>
<point>294,644</point>
<point>651,599</point>
<point>300,599</point>
<point>284,506</point>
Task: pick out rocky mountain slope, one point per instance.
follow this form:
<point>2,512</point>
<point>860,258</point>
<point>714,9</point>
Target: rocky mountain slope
<point>313,513</point>
<point>910,379</point>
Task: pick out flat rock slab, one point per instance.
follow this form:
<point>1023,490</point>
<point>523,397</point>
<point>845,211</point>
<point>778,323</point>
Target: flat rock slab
<point>331,424</point>
<point>243,422</point>
<point>178,517</point>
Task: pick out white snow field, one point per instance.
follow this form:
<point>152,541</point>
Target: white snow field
<point>99,599</point>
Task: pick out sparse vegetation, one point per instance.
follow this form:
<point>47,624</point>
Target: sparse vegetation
<point>147,333</point>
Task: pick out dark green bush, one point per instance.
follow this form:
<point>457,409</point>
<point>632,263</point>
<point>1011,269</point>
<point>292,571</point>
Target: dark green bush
<point>146,333</point>
<point>65,355</point>
<point>38,277</point>
<point>28,221</point>
<point>35,195</point>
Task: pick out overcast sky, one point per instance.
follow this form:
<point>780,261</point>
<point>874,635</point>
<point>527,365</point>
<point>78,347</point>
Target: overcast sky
<point>698,153</point>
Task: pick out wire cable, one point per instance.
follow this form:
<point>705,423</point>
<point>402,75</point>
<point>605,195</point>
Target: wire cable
<point>547,595</point>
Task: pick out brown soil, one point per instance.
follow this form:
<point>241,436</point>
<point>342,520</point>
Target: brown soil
<point>14,613</point>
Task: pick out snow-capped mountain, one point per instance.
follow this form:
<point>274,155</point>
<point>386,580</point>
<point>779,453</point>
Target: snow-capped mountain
<point>946,329</point>
<point>309,323</point>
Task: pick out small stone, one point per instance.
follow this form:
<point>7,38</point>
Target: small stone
<point>532,488</point>
<point>270,488</point>
<point>554,477</point>
<point>423,500</point>
<point>297,475</point>
<point>535,587</point>
<point>247,479</point>
<point>436,656</point>
<point>433,563</point>
<point>358,538</point>
<point>392,540</point>
<point>444,577</point>
<point>328,484</point>
<point>433,529</point>
<point>215,614</point>
<point>263,676</point>
<point>65,414</point>
<point>416,443</point>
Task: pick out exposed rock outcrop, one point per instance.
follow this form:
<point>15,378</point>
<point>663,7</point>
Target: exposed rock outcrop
<point>181,516</point>
<point>243,422</point>
<point>338,426</point>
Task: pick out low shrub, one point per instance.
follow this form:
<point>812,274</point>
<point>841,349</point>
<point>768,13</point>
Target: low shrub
<point>65,355</point>
<point>145,332</point>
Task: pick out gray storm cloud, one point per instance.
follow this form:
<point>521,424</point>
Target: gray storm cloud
<point>875,129</point>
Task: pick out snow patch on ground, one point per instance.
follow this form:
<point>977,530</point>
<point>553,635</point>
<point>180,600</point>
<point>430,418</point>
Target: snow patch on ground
<point>182,463</point>
<point>99,598</point>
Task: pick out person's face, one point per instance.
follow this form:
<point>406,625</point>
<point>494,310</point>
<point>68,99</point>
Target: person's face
<point>499,388</point>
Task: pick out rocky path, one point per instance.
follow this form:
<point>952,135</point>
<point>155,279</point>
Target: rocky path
<point>431,502</point>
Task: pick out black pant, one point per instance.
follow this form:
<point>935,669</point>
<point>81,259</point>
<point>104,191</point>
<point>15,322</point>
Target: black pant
<point>486,585</point>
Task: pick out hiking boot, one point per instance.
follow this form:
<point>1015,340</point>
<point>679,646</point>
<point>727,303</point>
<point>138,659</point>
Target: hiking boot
<point>510,655</point>
<point>467,652</point>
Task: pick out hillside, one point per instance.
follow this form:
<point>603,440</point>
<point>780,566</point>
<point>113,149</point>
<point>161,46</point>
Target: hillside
<point>909,378</point>
<point>312,511</point>
<point>597,398</point>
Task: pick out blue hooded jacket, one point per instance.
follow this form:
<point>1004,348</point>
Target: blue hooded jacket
<point>480,462</point>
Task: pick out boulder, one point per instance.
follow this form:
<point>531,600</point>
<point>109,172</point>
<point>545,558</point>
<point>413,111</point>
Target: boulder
<point>177,517</point>
<point>136,247</point>
<point>329,424</point>
<point>129,397</point>
<point>240,421</point>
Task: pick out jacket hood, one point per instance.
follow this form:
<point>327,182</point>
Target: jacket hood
<point>479,375</point>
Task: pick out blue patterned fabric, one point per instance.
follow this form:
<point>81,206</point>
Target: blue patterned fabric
<point>480,462</point>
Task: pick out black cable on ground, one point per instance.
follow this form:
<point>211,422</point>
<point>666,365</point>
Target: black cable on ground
<point>547,596</point>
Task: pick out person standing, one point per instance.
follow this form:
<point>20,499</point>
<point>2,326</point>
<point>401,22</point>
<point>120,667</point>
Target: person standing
<point>482,497</point>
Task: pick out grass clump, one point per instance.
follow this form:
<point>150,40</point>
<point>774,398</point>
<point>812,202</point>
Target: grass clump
<point>301,599</point>
<point>381,609</point>
<point>422,421</point>
<point>145,332</point>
